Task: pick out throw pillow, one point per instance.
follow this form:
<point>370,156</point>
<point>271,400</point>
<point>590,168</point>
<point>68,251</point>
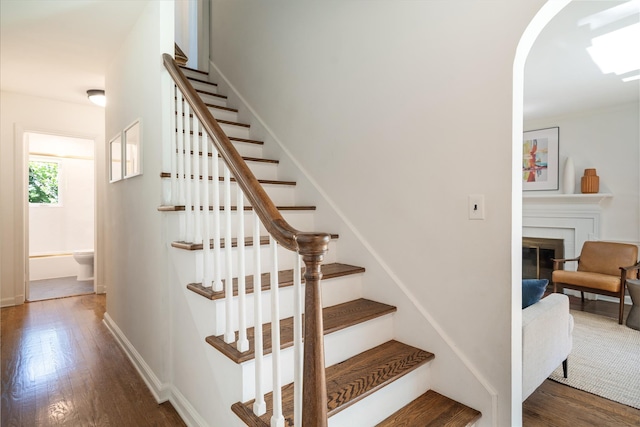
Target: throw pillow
<point>532,291</point>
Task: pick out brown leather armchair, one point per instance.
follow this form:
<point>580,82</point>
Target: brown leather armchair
<point>603,268</point>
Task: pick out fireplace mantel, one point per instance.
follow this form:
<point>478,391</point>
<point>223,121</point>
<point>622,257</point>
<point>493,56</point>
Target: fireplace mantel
<point>565,199</point>
<point>575,218</point>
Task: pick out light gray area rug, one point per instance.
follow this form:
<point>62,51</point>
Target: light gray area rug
<point>58,288</point>
<point>605,359</point>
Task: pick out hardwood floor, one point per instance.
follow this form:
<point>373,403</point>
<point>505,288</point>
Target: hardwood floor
<point>558,405</point>
<point>61,366</point>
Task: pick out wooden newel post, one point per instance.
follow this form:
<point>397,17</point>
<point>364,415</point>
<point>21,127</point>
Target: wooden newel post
<point>314,383</point>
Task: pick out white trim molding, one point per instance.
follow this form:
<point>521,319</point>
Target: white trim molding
<point>161,391</point>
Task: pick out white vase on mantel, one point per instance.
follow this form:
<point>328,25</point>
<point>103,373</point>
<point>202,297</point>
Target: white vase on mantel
<point>569,177</point>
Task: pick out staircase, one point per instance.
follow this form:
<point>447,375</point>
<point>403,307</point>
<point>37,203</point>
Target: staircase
<point>371,378</point>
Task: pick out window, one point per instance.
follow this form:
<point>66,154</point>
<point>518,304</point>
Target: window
<point>44,177</point>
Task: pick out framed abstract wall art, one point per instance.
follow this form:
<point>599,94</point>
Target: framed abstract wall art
<point>540,156</point>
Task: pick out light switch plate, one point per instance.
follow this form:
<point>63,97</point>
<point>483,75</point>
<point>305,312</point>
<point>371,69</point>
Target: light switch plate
<point>476,206</point>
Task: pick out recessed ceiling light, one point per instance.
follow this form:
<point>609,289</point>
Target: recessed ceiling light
<point>97,96</point>
<point>617,51</point>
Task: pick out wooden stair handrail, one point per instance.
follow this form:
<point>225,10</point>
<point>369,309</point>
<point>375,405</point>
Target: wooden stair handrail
<point>312,246</point>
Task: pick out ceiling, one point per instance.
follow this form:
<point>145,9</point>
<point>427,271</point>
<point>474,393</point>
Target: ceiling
<point>60,48</point>
<point>560,76</point>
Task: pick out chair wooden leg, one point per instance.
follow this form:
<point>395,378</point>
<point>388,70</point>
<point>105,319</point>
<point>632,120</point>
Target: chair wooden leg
<point>621,314</point>
<point>582,297</point>
<point>565,367</point>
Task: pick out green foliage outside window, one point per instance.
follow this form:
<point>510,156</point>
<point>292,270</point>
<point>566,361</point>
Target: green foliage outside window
<point>43,182</point>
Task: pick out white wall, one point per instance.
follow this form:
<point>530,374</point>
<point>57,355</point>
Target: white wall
<point>398,111</point>
<point>609,141</point>
<point>138,305</point>
<point>149,308</point>
<point>23,113</point>
<point>192,31</point>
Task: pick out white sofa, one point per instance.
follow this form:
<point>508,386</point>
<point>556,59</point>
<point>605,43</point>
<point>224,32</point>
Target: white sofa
<point>547,330</point>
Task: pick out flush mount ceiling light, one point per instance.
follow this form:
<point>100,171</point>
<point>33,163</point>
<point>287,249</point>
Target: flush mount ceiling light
<point>97,97</point>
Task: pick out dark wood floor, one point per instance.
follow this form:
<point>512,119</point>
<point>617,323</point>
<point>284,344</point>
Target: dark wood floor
<point>558,405</point>
<point>61,366</point>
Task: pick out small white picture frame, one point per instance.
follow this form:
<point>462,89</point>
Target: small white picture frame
<point>132,150</point>
<point>115,157</point>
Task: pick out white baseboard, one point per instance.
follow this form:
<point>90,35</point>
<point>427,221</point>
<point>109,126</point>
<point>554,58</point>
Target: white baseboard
<point>8,302</point>
<point>187,412</point>
<point>11,301</point>
<point>161,392</point>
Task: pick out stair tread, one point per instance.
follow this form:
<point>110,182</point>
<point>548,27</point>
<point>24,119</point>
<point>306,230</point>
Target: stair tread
<point>248,141</point>
<point>229,122</point>
<point>182,208</point>
<point>233,138</point>
<point>222,121</point>
<point>204,92</point>
<point>350,381</point>
<point>220,178</point>
<point>335,318</point>
<point>245,158</point>
<point>248,241</point>
<point>220,107</point>
<point>285,278</point>
<point>184,67</point>
<point>193,79</point>
<point>432,409</point>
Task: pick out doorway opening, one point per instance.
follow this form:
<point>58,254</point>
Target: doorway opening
<point>60,216</point>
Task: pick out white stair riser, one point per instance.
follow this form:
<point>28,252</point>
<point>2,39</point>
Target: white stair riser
<point>281,195</point>
<point>194,74</point>
<point>220,114</point>
<point>175,223</point>
<point>332,295</point>
<point>244,148</point>
<point>214,100</point>
<point>236,131</point>
<point>231,130</point>
<point>189,264</point>
<point>261,170</point>
<point>339,346</point>
<point>203,86</point>
<point>301,220</point>
<point>379,405</point>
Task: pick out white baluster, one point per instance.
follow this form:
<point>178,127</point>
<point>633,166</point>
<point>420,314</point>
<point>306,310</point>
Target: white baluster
<point>298,347</point>
<point>188,176</point>
<point>243,342</point>
<point>173,149</point>
<point>217,236</point>
<point>229,335</point>
<point>197,182</point>
<point>206,235</point>
<point>180,154</point>
<point>277,419</point>
<point>259,406</point>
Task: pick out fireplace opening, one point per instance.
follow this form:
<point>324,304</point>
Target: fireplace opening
<point>537,255</point>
